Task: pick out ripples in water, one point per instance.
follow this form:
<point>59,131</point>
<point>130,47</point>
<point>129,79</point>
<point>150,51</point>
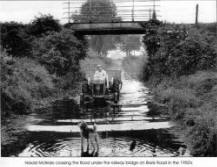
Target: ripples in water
<point>53,137</point>
<point>148,143</point>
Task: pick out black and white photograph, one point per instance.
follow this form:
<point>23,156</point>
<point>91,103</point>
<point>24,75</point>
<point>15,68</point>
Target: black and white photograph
<point>108,78</point>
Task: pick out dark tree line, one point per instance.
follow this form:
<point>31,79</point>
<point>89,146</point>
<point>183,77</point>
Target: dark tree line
<point>176,50</point>
<point>181,69</point>
<point>38,60</point>
<point>46,41</point>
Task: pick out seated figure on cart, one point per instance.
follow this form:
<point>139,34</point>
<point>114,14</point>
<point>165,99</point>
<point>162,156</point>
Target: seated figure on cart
<point>100,81</point>
<point>100,88</point>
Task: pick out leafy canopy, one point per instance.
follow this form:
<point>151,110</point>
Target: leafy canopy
<point>60,52</point>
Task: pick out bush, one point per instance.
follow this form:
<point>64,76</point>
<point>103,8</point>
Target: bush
<point>178,101</point>
<point>15,40</point>
<point>43,25</point>
<point>191,55</point>
<point>191,101</point>
<point>176,50</point>
<point>23,82</point>
<point>182,70</point>
<point>43,42</point>
<point>92,60</point>
<point>59,52</point>
<point>69,81</point>
<point>203,135</point>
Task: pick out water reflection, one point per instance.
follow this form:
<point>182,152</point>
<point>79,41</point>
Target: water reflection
<point>128,132</point>
<point>147,143</point>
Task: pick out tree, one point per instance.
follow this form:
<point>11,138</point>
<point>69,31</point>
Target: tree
<point>15,40</point>
<point>193,54</point>
<point>130,43</point>
<point>43,25</point>
<point>176,50</point>
<point>99,11</point>
<point>60,52</point>
<point>102,44</point>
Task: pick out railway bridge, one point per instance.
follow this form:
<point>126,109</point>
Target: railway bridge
<point>113,17</point>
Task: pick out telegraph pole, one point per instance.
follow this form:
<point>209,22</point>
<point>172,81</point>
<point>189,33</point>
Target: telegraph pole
<point>216,17</point>
<point>68,12</point>
<point>154,16</point>
<point>196,15</point>
<point>133,12</point>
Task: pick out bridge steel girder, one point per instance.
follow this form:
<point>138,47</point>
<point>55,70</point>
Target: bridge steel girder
<point>113,28</point>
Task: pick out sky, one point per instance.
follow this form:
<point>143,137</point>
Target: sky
<point>176,11</point>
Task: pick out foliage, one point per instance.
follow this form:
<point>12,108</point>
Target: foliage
<point>92,60</point>
<point>23,82</point>
<point>49,65</point>
<point>15,40</point>
<point>208,27</point>
<point>60,52</point>
<point>203,135</point>
<point>191,101</point>
<point>33,56</point>
<point>43,25</point>
<point>192,54</point>
<point>176,56</point>
<point>99,11</point>
<point>130,43</point>
<point>176,50</point>
<point>102,44</point>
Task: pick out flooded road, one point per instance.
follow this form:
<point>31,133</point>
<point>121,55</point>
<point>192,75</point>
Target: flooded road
<point>56,134</point>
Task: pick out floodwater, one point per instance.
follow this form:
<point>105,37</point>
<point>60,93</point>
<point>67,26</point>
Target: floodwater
<point>56,133</point>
